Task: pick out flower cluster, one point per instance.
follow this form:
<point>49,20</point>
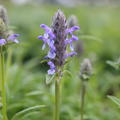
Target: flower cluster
<point>11,38</point>
<point>57,38</point>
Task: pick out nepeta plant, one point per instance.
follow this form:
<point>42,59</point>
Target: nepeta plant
<point>85,73</point>
<point>116,65</point>
<point>58,37</point>
<point>5,39</point>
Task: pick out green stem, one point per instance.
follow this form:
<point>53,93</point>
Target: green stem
<point>57,99</point>
<point>83,90</point>
<point>3,91</point>
<point>8,63</point>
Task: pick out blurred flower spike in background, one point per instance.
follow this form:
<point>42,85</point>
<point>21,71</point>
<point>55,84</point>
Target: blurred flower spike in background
<point>6,36</point>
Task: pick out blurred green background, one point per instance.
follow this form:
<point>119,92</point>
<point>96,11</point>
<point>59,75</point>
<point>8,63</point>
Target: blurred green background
<point>26,87</point>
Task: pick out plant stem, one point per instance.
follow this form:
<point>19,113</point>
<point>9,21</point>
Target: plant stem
<point>3,91</point>
<point>8,63</point>
<point>57,99</point>
<point>83,90</point>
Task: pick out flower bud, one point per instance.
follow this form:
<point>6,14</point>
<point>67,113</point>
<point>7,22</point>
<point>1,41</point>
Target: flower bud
<point>72,21</point>
<point>2,28</point>
<point>79,48</point>
<point>86,69</point>
<point>3,14</point>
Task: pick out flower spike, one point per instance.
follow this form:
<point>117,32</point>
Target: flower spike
<point>57,37</point>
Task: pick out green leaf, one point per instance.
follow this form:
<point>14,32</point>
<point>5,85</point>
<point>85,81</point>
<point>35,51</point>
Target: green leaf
<point>115,64</point>
<point>43,61</point>
<point>26,111</point>
<point>0,106</point>
<point>29,115</point>
<point>34,93</point>
<point>115,100</point>
<point>67,72</point>
<point>49,79</point>
<point>0,117</point>
<point>90,37</point>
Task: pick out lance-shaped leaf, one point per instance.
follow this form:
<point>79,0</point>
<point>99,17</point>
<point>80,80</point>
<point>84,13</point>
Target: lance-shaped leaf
<point>115,100</point>
<point>20,114</point>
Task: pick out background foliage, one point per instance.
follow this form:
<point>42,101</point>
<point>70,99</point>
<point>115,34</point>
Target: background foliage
<point>26,74</point>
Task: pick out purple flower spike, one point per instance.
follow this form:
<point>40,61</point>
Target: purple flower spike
<point>2,42</point>
<point>57,38</point>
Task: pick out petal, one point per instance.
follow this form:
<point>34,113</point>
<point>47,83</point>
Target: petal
<point>13,36</point>
<point>51,64</point>
<point>51,34</point>
<point>40,37</point>
<point>74,37</point>
<point>51,44</point>
<point>51,54</point>
<point>16,41</point>
<point>70,54</point>
<point>16,35</point>
<point>46,36</point>
<point>74,28</point>
<point>44,26</point>
<point>68,41</point>
<point>45,40</point>
<point>43,47</point>
<point>71,47</point>
<point>47,30</point>
<point>51,71</point>
<point>2,42</point>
